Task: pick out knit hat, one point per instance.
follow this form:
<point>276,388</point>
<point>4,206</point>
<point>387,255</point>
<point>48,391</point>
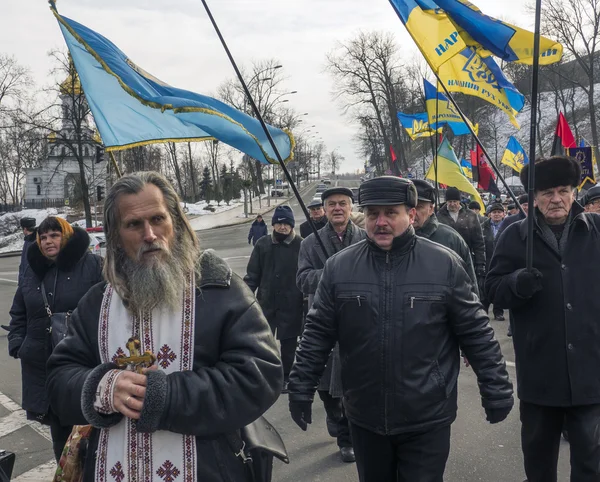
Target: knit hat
<point>452,194</point>
<point>553,172</point>
<point>54,223</point>
<point>283,215</point>
<point>28,223</point>
<point>474,205</point>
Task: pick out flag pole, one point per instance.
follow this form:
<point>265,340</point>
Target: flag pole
<point>532,132</point>
<point>115,165</point>
<point>435,159</point>
<point>264,127</point>
<point>479,143</point>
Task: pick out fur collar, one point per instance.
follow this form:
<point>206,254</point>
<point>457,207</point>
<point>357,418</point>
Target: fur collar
<point>77,246</point>
<point>214,271</point>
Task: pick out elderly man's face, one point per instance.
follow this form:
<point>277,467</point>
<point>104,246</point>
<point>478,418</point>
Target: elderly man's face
<point>593,206</point>
<point>422,213</point>
<point>453,206</point>
<point>146,231</point>
<point>283,228</point>
<point>384,223</point>
<point>555,203</point>
<point>497,215</point>
<point>338,208</point>
<point>317,212</point>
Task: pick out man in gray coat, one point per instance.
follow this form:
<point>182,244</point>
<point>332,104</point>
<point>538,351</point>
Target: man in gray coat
<point>337,234</point>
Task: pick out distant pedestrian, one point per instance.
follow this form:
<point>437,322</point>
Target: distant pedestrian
<point>591,200</point>
<point>257,230</point>
<point>271,272</point>
<point>29,231</point>
<point>476,208</point>
<point>555,326</point>
<point>518,216</point>
<point>61,267</point>
<point>317,214</point>
<point>400,307</point>
<point>491,227</point>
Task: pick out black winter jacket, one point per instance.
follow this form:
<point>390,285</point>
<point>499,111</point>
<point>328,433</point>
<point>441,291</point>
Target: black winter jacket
<point>469,228</point>
<point>556,333</point>
<point>237,374</point>
<point>306,230</point>
<point>257,231</point>
<point>508,220</point>
<point>272,271</point>
<point>447,236</point>
<point>28,241</point>
<point>76,270</point>
<point>400,318</point>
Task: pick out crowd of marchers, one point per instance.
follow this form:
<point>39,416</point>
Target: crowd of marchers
<point>167,352</point>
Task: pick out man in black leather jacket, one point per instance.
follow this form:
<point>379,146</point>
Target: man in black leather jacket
<point>400,307</point>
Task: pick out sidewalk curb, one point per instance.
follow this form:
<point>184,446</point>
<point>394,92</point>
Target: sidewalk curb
<point>10,254</point>
<point>265,211</point>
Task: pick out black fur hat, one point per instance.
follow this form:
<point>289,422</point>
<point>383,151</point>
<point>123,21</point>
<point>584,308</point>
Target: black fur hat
<point>553,172</point>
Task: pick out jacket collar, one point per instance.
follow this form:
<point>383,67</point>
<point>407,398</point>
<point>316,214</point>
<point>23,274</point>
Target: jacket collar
<point>77,246</point>
<point>429,227</point>
<point>577,215</point>
<point>400,246</point>
<point>214,271</point>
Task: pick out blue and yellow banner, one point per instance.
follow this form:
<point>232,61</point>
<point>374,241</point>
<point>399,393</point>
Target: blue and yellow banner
<point>585,157</point>
<point>514,155</point>
<point>471,74</point>
<point>467,168</point>
<point>444,113</point>
<point>491,36</point>
<point>416,125</point>
<point>431,29</point>
<point>132,107</point>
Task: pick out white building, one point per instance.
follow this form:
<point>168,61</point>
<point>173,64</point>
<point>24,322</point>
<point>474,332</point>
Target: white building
<point>56,181</point>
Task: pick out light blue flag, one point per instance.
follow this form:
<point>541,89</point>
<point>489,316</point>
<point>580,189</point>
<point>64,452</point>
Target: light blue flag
<point>445,113</point>
<point>132,108</point>
<point>416,125</point>
<point>514,155</point>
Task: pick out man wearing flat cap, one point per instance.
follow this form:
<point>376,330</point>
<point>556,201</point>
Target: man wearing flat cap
<point>427,226</point>
<point>591,200</point>
<point>29,231</point>
<point>317,214</point>
<point>339,233</point>
<point>401,308</point>
<point>555,326</point>
<point>491,228</point>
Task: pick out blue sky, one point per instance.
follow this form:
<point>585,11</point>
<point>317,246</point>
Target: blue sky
<point>174,41</point>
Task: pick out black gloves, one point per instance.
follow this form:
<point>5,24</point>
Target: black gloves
<point>495,415</point>
<point>528,282</point>
<point>301,413</point>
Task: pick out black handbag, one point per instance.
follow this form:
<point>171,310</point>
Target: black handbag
<point>59,322</point>
<point>256,444</point>
<point>7,462</point>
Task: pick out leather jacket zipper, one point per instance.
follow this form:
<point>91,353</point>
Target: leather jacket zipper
<point>424,298</point>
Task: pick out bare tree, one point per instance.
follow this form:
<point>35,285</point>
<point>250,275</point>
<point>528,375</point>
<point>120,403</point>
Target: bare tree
<point>14,79</point>
<point>334,161</point>
<point>576,25</point>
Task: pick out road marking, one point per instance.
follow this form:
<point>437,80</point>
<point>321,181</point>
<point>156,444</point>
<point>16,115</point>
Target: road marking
<point>8,403</point>
<point>9,280</point>
<point>5,273</point>
<point>41,472</point>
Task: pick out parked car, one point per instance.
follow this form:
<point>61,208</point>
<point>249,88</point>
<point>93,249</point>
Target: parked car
<point>277,193</point>
<point>320,188</point>
<point>326,180</point>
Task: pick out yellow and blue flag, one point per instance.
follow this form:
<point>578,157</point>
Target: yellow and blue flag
<point>467,168</point>
<point>491,36</point>
<point>471,74</point>
<point>514,155</point>
<point>416,125</point>
<point>132,107</point>
<point>444,113</point>
<point>450,173</point>
<point>436,36</point>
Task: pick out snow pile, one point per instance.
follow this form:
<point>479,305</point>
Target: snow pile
<point>82,224</point>
<point>12,242</point>
<point>9,222</point>
<point>199,209</point>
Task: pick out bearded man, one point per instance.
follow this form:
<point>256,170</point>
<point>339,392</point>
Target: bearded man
<point>218,367</point>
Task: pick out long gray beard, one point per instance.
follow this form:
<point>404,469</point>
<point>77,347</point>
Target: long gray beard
<point>159,282</point>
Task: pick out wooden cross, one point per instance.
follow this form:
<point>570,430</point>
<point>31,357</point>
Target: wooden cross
<point>135,360</point>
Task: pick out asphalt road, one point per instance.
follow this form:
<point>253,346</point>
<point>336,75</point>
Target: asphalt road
<point>479,451</point>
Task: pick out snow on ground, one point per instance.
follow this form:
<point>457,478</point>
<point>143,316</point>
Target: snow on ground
<point>81,223</point>
<point>198,209</point>
<point>12,242</point>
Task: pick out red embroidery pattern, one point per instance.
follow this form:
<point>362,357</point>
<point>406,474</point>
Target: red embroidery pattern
<point>166,356</point>
<point>132,453</point>
<point>106,401</point>
<point>119,353</point>
<point>168,472</point>
<point>117,472</point>
<point>147,444</point>
<point>189,454</point>
<point>102,451</point>
<point>103,325</point>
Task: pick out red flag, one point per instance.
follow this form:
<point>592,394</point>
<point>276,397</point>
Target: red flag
<point>486,177</point>
<point>394,158</point>
<point>564,133</point>
<point>475,163</point>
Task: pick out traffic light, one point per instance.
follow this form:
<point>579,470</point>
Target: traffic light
<point>99,154</point>
<point>100,193</point>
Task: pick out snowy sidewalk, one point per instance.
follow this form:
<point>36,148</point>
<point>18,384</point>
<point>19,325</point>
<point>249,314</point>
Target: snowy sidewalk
<point>235,215</point>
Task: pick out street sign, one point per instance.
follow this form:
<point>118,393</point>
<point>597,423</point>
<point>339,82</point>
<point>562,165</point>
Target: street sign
<point>66,202</point>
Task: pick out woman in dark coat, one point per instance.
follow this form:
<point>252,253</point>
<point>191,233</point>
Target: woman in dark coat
<point>257,230</point>
<point>60,259</point>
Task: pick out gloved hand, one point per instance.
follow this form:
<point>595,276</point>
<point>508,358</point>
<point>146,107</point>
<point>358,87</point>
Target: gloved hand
<point>495,415</point>
<point>528,282</point>
<point>301,413</point>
